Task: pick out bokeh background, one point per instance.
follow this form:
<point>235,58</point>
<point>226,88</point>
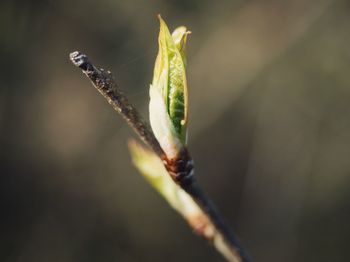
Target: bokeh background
<point>269,129</point>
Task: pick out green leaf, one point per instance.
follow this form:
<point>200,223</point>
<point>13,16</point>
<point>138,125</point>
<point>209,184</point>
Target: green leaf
<point>169,79</point>
<point>179,36</point>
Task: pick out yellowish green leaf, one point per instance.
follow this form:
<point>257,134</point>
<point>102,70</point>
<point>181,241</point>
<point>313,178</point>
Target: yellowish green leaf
<point>170,79</point>
<point>179,36</point>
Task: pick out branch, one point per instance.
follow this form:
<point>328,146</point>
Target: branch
<point>105,84</point>
<point>212,226</point>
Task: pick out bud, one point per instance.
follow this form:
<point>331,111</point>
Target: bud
<point>153,170</point>
<point>168,91</point>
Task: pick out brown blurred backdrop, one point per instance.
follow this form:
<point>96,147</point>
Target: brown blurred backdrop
<point>269,129</point>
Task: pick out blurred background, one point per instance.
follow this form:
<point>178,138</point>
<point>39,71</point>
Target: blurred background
<point>269,129</point>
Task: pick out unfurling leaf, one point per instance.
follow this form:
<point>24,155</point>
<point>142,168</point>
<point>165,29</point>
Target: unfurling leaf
<point>169,81</point>
<point>180,37</point>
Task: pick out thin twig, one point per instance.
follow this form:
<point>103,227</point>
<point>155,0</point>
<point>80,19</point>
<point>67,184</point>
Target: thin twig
<point>180,169</point>
<point>105,84</point>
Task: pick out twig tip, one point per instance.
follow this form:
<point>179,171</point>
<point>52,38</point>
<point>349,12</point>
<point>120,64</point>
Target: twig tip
<point>79,59</point>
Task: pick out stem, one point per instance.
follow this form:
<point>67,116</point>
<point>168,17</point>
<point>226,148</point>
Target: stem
<point>180,170</point>
<point>105,84</point>
<point>229,237</point>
